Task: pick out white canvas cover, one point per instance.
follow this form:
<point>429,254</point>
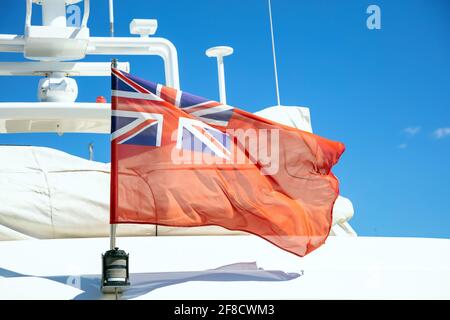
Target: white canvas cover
<point>297,117</point>
<point>46,193</point>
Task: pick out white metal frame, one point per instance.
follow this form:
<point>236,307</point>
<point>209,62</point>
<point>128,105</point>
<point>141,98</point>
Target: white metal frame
<point>109,45</point>
<point>91,69</point>
<point>112,46</point>
<point>117,46</point>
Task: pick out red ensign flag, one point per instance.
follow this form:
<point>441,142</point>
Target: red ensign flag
<point>181,160</point>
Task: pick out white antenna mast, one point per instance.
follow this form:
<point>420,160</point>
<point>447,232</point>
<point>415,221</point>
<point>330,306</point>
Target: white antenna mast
<point>219,53</point>
<point>273,53</point>
<point>111,17</point>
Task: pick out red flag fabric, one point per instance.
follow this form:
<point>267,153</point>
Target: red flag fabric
<point>182,160</point>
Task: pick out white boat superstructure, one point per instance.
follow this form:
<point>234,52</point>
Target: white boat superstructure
<point>238,267</point>
<point>59,203</point>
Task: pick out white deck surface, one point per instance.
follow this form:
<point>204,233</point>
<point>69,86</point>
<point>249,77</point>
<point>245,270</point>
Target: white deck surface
<point>180,268</point>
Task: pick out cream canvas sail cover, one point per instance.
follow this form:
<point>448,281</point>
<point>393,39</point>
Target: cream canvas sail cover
<point>46,193</point>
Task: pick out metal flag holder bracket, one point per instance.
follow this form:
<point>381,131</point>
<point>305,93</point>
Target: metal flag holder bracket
<point>115,267</point>
<point>115,272</point>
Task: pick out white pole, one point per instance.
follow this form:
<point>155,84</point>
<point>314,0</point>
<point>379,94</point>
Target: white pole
<point>111,17</point>
<point>221,72</point>
<point>29,5</point>
<point>273,54</point>
<point>219,53</point>
<point>87,11</point>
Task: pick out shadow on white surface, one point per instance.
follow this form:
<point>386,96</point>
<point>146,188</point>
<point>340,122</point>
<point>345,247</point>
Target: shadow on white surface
<point>143,283</point>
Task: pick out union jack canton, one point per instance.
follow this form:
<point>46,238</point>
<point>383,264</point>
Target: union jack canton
<point>136,126</point>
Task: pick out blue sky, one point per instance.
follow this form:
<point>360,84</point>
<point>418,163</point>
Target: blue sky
<point>384,93</point>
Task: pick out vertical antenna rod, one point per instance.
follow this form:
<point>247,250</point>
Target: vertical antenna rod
<point>273,53</point>
<point>111,17</point>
